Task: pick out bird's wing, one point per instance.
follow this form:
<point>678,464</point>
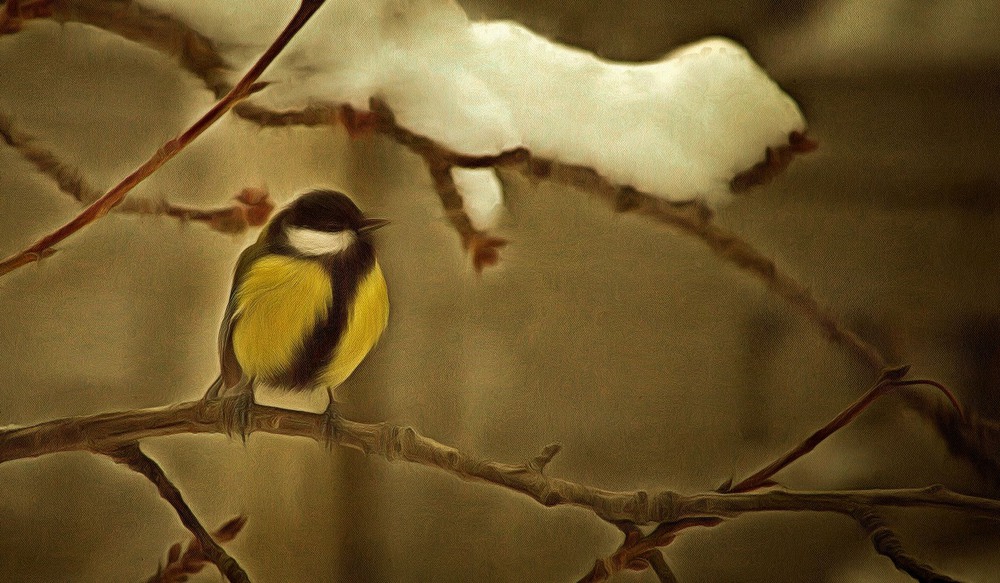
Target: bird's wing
<point>231,371</point>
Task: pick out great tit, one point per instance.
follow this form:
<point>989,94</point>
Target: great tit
<point>308,302</point>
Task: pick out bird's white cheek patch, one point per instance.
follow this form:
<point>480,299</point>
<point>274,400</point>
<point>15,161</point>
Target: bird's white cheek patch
<point>310,242</point>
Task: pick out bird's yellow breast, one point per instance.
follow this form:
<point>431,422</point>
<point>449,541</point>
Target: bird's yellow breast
<point>278,303</point>
<point>367,317</point>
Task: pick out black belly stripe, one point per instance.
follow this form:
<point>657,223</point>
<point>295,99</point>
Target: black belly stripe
<point>347,270</point>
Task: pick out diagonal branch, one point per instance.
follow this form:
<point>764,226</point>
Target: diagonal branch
<point>244,88</point>
<point>967,435</point>
<point>890,381</point>
<point>252,207</point>
<point>132,456</point>
<point>191,561</point>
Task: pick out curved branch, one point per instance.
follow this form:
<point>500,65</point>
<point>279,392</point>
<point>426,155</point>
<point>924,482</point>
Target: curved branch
<point>889,381</point>
<point>107,431</point>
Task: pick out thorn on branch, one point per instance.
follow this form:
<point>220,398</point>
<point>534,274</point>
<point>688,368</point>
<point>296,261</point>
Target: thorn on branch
<point>257,87</point>
<point>538,463</point>
<point>776,160</point>
<point>895,373</point>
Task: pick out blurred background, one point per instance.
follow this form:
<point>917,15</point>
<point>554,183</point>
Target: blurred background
<point>655,364</point>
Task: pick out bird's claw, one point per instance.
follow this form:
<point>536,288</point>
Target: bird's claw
<point>331,422</point>
<point>236,413</point>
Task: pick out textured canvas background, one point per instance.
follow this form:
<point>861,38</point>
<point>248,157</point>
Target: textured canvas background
<point>655,364</point>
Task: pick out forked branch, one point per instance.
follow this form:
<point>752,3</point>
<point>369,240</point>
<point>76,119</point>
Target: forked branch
<point>108,431</point>
<point>103,205</point>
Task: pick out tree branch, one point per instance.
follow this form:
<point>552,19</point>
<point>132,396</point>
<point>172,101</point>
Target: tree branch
<point>639,552</point>
<point>887,543</point>
<point>192,560</point>
<point>196,52</point>
<point>252,208</point>
<point>889,381</point>
<point>132,456</point>
<point>244,88</point>
<point>108,431</point>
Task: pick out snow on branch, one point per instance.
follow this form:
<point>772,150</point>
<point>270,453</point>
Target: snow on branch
<point>680,128</point>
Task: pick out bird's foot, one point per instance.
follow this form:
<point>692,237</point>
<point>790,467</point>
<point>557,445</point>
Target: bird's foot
<point>236,412</point>
<point>331,422</point>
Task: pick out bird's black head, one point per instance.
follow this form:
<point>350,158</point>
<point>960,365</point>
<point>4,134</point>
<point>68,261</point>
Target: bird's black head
<point>321,222</point>
<point>325,210</point>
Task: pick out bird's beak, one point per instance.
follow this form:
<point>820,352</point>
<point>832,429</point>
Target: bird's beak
<point>372,224</point>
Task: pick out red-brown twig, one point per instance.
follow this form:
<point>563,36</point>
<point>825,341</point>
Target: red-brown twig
<point>181,563</point>
<point>483,247</point>
<point>244,88</point>
<point>132,456</point>
<point>251,208</point>
<point>639,552</point>
<point>889,381</point>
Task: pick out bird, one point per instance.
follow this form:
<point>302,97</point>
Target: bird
<point>307,304</point>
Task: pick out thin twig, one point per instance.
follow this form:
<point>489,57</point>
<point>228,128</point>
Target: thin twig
<point>132,456</point>
<point>244,88</point>
<point>252,207</point>
<point>639,552</point>
<point>483,247</point>
<point>887,543</point>
<point>184,562</point>
<point>162,32</point>
<point>886,384</point>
